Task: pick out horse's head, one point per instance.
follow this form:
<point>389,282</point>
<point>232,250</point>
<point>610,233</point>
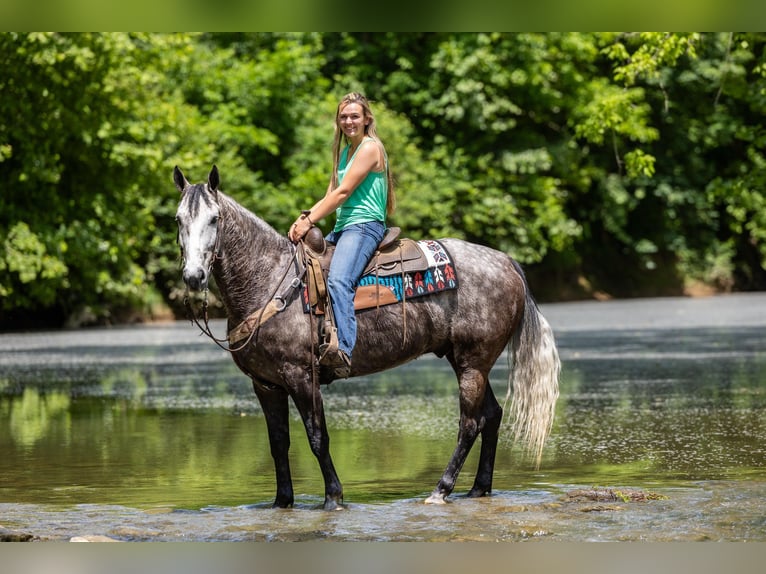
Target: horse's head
<point>197,216</point>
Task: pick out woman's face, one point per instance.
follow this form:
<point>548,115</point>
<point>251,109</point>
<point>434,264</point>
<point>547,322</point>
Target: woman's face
<point>352,120</point>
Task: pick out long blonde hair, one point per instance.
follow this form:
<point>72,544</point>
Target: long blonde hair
<point>370,130</point>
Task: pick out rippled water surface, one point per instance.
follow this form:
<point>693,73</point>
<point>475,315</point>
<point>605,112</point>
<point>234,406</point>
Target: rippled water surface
<point>151,433</point>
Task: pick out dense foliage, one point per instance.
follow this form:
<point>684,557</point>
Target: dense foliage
<point>615,164</point>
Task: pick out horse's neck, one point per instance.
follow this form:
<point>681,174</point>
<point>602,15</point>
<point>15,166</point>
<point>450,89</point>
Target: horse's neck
<point>253,259</point>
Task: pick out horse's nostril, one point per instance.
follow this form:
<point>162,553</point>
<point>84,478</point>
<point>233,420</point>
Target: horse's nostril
<point>195,278</point>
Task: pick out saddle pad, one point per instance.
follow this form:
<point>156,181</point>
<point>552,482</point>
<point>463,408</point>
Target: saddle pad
<point>436,275</point>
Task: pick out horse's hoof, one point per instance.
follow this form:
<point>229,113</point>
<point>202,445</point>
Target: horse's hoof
<point>333,505</point>
<point>478,492</point>
<point>436,498</point>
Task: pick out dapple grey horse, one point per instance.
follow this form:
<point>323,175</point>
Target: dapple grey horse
<point>492,310</point>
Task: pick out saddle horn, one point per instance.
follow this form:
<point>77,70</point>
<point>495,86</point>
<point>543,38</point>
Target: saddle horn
<point>315,240</point>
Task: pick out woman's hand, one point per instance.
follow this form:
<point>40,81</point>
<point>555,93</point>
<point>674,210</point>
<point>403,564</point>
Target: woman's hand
<point>300,228</point>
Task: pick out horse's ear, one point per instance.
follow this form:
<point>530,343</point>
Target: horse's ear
<point>213,180</point>
<point>179,179</point>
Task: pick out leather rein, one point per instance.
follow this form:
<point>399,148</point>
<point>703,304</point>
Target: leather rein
<point>276,304</point>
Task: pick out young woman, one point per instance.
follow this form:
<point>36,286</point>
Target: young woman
<point>361,195</point>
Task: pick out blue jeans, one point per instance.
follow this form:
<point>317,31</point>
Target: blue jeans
<point>354,247</point>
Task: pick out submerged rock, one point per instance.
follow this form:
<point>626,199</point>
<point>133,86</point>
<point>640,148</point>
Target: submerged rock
<point>92,538</point>
<point>612,495</point>
<point>7,535</point>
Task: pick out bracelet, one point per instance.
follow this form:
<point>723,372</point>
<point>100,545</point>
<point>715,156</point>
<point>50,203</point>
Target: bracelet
<point>306,215</point>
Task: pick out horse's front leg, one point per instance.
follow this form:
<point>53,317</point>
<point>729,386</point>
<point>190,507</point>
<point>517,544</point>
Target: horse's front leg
<point>274,403</point>
<point>308,400</point>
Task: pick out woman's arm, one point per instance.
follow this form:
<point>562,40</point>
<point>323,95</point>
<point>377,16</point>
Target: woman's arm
<point>368,158</point>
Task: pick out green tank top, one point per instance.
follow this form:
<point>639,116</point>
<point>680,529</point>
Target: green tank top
<point>368,200</point>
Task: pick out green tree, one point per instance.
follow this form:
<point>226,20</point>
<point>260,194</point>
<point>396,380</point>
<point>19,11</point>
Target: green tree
<point>94,125</point>
<point>626,163</point>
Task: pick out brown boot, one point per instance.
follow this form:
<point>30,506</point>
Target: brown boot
<point>337,360</point>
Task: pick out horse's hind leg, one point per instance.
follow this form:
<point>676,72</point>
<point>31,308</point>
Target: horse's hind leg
<point>274,403</point>
<point>473,384</point>
<point>492,415</point>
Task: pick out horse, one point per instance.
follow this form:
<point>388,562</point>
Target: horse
<point>492,310</point>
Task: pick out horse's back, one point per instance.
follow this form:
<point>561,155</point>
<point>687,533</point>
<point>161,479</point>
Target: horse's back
<point>476,318</point>
<point>491,290</point>
<point>474,259</point>
<point>482,270</point>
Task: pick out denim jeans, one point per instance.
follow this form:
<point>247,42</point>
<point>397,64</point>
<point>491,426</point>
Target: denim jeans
<point>354,247</point>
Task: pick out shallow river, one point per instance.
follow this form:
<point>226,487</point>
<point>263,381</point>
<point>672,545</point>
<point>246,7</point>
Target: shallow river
<point>151,433</point>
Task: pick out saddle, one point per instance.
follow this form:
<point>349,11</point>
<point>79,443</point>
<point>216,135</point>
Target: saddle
<point>393,256</point>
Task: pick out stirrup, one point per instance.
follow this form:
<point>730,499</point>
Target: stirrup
<point>329,348</point>
<point>335,359</point>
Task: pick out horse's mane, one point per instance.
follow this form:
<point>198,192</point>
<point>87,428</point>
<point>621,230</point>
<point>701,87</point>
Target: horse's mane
<point>253,252</point>
<point>246,230</point>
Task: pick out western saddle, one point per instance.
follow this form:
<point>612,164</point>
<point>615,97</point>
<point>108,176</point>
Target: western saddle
<point>393,256</point>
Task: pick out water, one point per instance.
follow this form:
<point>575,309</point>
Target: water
<point>151,433</point>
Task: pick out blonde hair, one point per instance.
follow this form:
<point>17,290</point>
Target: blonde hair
<point>370,130</point>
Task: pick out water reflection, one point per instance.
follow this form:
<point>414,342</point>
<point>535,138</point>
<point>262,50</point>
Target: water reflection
<point>156,419</point>
<point>172,435</point>
<point>31,415</point>
<point>670,404</point>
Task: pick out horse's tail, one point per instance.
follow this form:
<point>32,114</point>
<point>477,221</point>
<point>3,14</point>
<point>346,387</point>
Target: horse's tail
<point>534,376</point>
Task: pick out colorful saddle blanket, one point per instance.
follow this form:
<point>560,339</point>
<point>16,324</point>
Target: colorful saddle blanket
<point>410,269</point>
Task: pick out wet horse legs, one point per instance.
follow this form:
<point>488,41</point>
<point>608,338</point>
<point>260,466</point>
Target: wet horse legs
<point>492,415</point>
<point>311,409</point>
<point>479,412</point>
<point>275,408</point>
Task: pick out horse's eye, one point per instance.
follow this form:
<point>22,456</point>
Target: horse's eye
<point>214,220</point>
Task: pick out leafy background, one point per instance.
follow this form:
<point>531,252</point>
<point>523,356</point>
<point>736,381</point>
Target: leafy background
<point>609,164</point>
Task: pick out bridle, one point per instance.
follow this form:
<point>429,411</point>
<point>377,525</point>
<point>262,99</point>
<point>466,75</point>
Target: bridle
<point>191,314</point>
<point>277,303</point>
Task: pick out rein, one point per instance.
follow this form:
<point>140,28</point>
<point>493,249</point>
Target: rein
<point>251,325</point>
<point>276,304</point>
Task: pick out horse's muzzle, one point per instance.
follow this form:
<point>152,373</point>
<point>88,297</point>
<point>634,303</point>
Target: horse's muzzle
<point>195,278</point>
